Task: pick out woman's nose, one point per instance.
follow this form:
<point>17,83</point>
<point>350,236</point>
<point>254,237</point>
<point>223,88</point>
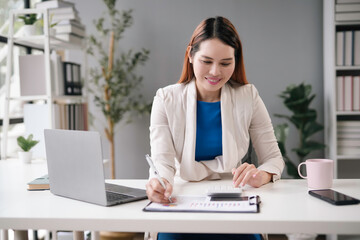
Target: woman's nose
<point>215,70</point>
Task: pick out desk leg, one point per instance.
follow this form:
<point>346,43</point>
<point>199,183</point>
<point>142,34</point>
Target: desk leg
<point>21,235</point>
<point>4,234</point>
<point>78,235</point>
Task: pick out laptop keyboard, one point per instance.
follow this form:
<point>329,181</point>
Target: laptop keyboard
<point>111,196</point>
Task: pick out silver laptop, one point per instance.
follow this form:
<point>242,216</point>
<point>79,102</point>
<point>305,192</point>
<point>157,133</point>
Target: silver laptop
<point>75,168</point>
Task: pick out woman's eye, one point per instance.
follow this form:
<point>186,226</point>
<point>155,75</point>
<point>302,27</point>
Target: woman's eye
<point>225,64</point>
<point>206,62</point>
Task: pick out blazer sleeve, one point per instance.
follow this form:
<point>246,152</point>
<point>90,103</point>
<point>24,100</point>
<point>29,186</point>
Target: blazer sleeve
<point>161,140</point>
<point>263,138</point>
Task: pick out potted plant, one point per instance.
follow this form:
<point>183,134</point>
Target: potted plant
<point>26,144</point>
<point>297,99</point>
<point>114,82</point>
<point>29,28</point>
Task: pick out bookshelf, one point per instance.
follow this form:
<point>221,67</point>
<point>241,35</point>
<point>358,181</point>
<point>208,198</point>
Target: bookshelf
<point>341,94</point>
<point>49,99</point>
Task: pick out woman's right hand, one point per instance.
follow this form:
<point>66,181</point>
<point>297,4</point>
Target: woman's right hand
<point>156,192</point>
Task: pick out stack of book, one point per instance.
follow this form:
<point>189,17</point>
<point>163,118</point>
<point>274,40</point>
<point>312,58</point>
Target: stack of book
<point>68,23</point>
<point>348,93</point>
<point>348,137</point>
<point>348,47</point>
<point>347,10</point>
<point>71,116</point>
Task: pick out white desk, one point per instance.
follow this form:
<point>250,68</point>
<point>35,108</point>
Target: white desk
<point>286,208</point>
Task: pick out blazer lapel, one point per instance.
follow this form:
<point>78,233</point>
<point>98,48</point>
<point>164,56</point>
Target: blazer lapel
<point>228,126</point>
<point>194,170</point>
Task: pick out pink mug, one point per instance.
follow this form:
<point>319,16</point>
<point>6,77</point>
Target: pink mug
<point>320,173</point>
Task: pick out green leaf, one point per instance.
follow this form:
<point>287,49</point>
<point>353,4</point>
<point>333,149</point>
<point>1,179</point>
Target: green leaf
<point>29,19</point>
<point>26,143</point>
<point>281,132</point>
<point>311,128</point>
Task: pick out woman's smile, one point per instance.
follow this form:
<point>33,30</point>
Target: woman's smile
<point>213,80</point>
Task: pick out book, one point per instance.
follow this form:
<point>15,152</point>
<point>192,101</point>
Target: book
<point>41,183</point>
<point>53,4</point>
<point>65,16</point>
<point>350,135</point>
<point>32,75</point>
<point>347,16</point>
<point>78,30</point>
<point>348,51</point>
<point>348,95</point>
<point>353,7</point>
<point>70,22</point>
<point>356,93</point>
<point>345,130</point>
<point>72,38</point>
<point>340,93</point>
<point>357,48</point>
<point>348,150</point>
<point>345,124</point>
<point>206,204</point>
<point>340,48</point>
<point>63,10</point>
<point>349,143</point>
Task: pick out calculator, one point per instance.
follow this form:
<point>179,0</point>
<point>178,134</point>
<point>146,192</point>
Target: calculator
<point>226,191</point>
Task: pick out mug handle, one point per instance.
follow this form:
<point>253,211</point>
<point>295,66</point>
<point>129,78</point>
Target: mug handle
<point>299,170</point>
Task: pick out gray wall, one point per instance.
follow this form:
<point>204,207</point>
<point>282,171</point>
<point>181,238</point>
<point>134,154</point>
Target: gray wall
<point>282,42</point>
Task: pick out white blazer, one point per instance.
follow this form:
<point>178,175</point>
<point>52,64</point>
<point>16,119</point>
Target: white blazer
<point>243,116</point>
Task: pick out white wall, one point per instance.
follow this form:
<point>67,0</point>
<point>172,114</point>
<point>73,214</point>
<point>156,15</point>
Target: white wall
<point>282,42</point>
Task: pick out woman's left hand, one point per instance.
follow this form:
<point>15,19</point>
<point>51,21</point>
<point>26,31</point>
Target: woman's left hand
<point>249,174</point>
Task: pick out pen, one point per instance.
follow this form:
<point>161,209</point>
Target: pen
<point>153,168</point>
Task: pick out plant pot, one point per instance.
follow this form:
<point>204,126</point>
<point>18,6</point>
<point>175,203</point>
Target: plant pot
<point>25,157</point>
<point>301,236</point>
<point>28,30</point>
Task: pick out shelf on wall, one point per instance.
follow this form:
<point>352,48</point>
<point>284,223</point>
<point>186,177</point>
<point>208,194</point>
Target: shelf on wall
<point>348,113</point>
<point>57,99</point>
<point>348,157</point>
<point>37,41</point>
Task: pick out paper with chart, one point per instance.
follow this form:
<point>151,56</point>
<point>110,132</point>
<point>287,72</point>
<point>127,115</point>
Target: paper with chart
<point>203,204</point>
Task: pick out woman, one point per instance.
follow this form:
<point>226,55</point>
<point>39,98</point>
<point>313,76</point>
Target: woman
<point>206,121</point>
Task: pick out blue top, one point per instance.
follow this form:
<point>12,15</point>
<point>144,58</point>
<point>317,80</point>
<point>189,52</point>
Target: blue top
<point>208,131</point>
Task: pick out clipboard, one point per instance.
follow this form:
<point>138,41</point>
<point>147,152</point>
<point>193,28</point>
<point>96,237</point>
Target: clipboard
<point>250,204</point>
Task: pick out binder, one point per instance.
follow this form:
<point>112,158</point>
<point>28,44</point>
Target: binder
<point>72,75</point>
<point>184,203</point>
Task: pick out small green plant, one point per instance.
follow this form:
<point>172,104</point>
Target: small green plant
<point>26,143</point>
<point>29,19</point>
<point>297,99</point>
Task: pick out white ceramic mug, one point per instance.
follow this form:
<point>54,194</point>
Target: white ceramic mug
<point>320,173</point>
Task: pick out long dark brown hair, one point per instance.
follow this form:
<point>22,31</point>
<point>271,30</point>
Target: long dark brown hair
<point>222,29</point>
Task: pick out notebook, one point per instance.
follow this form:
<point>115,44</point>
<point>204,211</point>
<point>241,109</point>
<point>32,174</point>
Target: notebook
<point>75,168</point>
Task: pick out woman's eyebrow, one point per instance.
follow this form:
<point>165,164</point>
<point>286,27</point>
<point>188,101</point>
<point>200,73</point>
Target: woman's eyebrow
<point>224,59</point>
